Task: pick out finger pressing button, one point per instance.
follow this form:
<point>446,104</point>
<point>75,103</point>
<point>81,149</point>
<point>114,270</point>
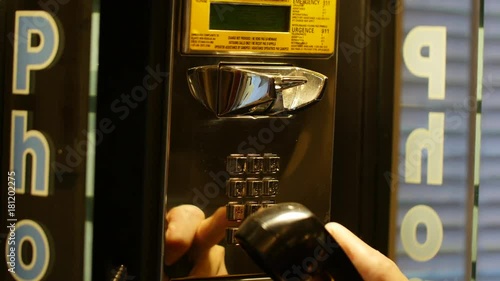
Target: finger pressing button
<point>235,211</point>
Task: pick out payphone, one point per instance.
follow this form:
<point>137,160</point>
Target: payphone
<point>251,107</point>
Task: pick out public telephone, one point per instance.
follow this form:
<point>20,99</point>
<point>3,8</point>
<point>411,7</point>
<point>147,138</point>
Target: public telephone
<point>251,107</point>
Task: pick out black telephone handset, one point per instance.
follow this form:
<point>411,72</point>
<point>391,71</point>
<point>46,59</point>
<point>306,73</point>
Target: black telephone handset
<point>291,244</point>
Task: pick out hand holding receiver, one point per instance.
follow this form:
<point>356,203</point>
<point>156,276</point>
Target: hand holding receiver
<point>289,243</point>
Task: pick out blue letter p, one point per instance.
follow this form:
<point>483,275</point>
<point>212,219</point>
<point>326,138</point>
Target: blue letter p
<point>27,56</point>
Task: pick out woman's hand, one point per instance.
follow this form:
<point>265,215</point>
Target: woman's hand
<point>370,263</point>
<point>192,239</point>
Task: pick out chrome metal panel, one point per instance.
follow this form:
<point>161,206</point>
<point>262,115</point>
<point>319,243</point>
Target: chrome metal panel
<point>203,147</point>
<point>255,89</point>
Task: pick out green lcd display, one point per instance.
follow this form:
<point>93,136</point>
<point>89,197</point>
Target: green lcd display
<point>249,17</point>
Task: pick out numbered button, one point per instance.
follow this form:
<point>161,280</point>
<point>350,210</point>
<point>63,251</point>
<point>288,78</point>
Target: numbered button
<point>235,211</point>
<point>254,187</point>
<point>268,203</point>
<point>270,187</point>
<point>271,163</point>
<point>236,187</point>
<point>251,207</point>
<point>230,232</point>
<point>255,164</point>
<point>236,164</point>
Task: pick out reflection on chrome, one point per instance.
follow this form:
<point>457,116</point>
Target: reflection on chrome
<point>253,90</point>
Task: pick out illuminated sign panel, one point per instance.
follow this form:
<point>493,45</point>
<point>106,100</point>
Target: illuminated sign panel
<point>305,27</point>
<point>435,180</point>
<point>46,143</point>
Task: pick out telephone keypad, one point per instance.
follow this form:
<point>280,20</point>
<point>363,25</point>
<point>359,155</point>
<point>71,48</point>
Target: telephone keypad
<point>253,184</point>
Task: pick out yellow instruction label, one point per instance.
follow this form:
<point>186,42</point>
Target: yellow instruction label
<point>262,26</point>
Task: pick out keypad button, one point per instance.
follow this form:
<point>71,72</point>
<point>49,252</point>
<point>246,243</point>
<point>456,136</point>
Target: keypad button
<point>236,187</point>
<point>251,207</point>
<point>270,187</point>
<point>230,232</point>
<point>255,164</point>
<point>235,211</point>
<point>254,187</point>
<point>268,203</point>
<point>236,164</point>
<point>271,163</point>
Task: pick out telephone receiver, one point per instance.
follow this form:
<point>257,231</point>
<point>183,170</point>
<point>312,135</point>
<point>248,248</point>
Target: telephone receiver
<point>290,243</point>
